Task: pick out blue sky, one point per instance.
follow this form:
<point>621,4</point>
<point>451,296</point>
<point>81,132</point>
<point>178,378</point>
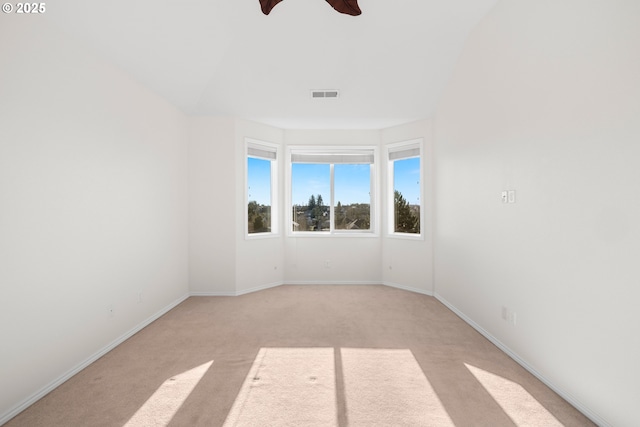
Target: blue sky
<point>351,181</point>
<point>308,179</point>
<point>406,179</point>
<point>259,180</point>
<point>352,184</point>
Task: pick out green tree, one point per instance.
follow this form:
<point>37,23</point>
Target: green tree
<point>252,211</point>
<point>316,212</point>
<point>340,216</point>
<point>258,224</point>
<point>258,217</point>
<point>253,207</point>
<point>405,220</point>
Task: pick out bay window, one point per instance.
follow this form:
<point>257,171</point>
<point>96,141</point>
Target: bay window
<point>332,190</point>
<point>405,188</point>
<point>261,179</point>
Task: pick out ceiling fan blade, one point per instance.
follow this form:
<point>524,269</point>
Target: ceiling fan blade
<point>267,5</point>
<point>349,7</point>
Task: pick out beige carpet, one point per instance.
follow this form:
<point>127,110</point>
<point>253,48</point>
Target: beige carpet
<point>387,387</point>
<point>305,356</point>
<point>288,387</point>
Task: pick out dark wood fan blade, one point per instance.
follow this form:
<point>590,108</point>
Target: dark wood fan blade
<point>350,7</point>
<point>267,5</point>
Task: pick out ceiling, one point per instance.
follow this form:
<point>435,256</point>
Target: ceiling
<point>225,57</point>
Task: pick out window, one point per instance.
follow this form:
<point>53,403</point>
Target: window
<point>331,190</point>
<point>311,210</point>
<point>261,181</point>
<point>405,188</point>
<point>352,183</point>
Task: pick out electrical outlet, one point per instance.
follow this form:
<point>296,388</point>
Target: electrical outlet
<point>511,195</point>
<point>110,310</point>
<point>327,263</point>
<point>505,197</point>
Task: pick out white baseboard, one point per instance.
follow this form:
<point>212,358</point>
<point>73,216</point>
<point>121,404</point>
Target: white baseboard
<point>408,288</point>
<point>259,288</point>
<point>330,282</point>
<point>235,293</point>
<point>212,294</point>
<point>4,418</point>
<point>304,283</point>
<point>566,396</point>
<point>310,282</point>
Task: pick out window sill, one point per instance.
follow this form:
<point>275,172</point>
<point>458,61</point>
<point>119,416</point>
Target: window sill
<point>338,234</point>
<point>261,236</point>
<point>405,236</point>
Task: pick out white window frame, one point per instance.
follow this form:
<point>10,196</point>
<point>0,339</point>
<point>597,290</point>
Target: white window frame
<point>260,150</point>
<point>337,151</point>
<point>405,150</point>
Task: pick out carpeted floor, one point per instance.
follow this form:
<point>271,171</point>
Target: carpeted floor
<point>305,356</point>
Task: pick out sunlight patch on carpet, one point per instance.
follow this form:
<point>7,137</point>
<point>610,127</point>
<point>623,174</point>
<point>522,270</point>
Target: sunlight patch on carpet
<point>161,407</point>
<point>514,400</point>
<point>288,387</point>
<point>388,388</point>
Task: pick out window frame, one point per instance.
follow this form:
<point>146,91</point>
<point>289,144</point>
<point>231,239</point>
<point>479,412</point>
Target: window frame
<point>333,150</point>
<point>250,143</point>
<point>396,147</point>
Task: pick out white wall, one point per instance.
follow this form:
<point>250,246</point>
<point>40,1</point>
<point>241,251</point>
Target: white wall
<point>352,259</point>
<point>545,101</point>
<point>221,260</point>
<point>259,262</point>
<point>93,207</point>
<point>408,263</point>
<point>212,215</point>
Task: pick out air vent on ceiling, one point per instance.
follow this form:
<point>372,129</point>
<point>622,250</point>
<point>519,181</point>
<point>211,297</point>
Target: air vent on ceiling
<point>324,94</point>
